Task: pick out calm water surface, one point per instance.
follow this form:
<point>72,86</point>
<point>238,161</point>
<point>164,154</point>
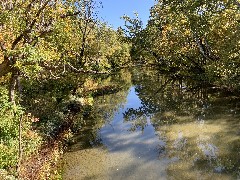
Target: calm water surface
<point>158,128</point>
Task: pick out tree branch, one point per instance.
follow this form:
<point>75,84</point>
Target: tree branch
<point>84,71</point>
<point>70,14</point>
<point>29,29</point>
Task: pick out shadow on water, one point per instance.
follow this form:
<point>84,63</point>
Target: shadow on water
<point>161,128</point>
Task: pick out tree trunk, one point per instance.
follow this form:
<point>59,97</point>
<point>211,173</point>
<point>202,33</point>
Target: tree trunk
<point>20,150</point>
<point>5,67</point>
<point>13,85</point>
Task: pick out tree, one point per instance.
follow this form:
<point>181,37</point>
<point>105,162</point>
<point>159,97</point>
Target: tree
<point>133,29</point>
<point>47,37</point>
<point>25,27</point>
<point>200,36</point>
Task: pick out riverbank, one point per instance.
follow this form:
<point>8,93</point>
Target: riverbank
<point>45,163</point>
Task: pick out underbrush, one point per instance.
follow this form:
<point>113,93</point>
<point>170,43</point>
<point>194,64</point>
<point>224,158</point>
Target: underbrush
<point>10,116</point>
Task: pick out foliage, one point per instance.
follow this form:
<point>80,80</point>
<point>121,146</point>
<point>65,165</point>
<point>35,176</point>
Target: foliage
<point>189,37</point>
<point>44,45</point>
<point>9,131</point>
<point>49,35</point>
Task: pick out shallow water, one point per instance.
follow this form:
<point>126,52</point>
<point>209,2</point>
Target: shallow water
<point>156,129</point>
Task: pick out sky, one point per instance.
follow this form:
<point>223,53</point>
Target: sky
<point>113,9</point>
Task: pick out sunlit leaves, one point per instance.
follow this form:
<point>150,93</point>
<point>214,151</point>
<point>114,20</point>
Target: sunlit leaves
<point>190,34</point>
<point>53,33</point>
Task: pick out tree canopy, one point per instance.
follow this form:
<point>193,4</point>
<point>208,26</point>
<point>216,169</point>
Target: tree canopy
<point>193,35</point>
<point>47,37</point>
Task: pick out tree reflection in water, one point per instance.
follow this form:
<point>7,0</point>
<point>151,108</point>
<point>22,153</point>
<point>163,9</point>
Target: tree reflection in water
<point>188,131</point>
<point>199,124</point>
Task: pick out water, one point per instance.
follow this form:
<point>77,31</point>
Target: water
<point>157,128</point>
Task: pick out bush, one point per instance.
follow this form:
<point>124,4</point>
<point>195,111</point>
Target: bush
<point>9,133</point>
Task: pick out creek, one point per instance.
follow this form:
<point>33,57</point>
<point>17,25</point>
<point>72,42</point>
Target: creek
<point>158,127</point>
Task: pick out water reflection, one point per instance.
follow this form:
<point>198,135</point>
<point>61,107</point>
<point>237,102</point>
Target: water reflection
<point>160,128</point>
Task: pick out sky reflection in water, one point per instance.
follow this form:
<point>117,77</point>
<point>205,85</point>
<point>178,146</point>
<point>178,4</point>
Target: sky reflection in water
<point>171,134</point>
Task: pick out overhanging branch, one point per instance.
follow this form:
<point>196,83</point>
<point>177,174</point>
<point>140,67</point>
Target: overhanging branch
<point>84,71</point>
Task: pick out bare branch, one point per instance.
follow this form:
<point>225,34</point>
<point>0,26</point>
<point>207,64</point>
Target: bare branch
<point>29,29</point>
<point>55,77</point>
<point>85,71</point>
